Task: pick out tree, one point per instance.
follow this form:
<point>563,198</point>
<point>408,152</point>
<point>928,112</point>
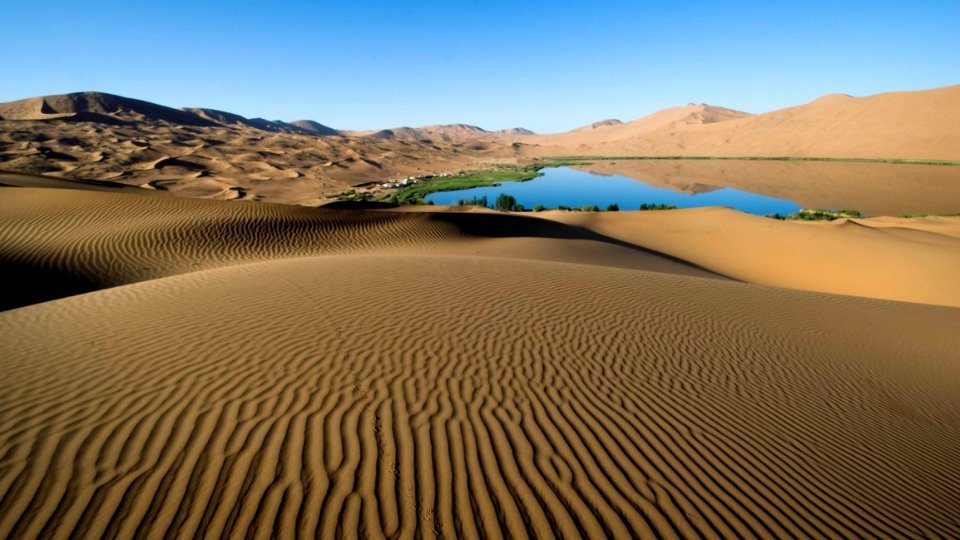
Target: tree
<point>538,208</point>
<point>505,202</point>
<point>613,207</point>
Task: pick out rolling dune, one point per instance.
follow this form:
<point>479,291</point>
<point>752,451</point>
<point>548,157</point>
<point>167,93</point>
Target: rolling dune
<point>487,398</point>
<point>203,368</point>
<point>57,242</point>
<point>206,153</point>
<point>905,259</point>
<point>918,125</point>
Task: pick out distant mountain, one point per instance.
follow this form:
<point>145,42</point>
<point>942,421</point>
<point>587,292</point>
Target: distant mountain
<point>918,125</point>
<point>303,127</point>
<point>111,109</point>
<point>314,127</point>
<point>96,106</point>
<point>451,133</point>
<point>219,117</point>
<point>605,131</point>
<point>515,131</point>
<point>601,123</point>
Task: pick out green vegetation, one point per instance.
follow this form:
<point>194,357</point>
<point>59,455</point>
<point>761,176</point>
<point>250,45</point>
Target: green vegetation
<point>929,215</point>
<point>415,193</point>
<point>613,207</point>
<point>821,214</point>
<point>538,208</point>
<point>507,203</point>
<point>352,195</point>
<point>646,206</point>
<point>476,201</point>
<point>587,208</point>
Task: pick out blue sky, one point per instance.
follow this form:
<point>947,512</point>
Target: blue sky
<point>547,66</point>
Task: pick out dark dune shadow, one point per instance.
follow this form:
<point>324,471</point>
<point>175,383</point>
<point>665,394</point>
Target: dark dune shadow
<point>511,225</point>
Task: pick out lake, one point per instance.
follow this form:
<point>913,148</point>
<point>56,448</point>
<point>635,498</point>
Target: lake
<point>569,187</point>
<point>759,187</point>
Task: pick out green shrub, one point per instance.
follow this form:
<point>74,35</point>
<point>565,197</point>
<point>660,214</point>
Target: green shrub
<point>506,202</point>
<point>538,208</point>
<point>821,214</point>
<point>476,201</point>
<point>613,207</point>
<point>646,206</point>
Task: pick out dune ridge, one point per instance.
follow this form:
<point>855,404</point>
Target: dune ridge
<point>85,240</point>
<point>56,242</point>
<point>606,131</point>
<point>905,259</point>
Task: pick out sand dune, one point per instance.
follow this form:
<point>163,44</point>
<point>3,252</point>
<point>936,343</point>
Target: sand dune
<point>76,105</point>
<point>209,153</point>
<point>263,400</point>
<point>315,127</point>
<point>607,131</point>
<point>279,167</point>
<point>917,125</point>
<point>205,152</point>
<point>181,367</point>
<point>906,259</point>
<point>59,242</point>
<point>463,134</point>
<point>85,240</point>
<point>269,371</point>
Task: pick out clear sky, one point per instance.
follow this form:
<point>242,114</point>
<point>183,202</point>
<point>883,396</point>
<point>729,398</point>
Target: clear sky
<point>544,65</point>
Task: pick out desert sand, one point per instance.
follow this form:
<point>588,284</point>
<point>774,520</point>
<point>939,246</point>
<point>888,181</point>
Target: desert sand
<point>233,368</point>
<point>183,358</point>
<point>207,153</point>
<point>914,125</point>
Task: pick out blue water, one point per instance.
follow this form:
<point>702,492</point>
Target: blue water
<point>569,187</point>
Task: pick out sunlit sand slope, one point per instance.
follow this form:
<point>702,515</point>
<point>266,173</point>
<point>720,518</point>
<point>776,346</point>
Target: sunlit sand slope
<point>460,396</point>
<point>905,259</point>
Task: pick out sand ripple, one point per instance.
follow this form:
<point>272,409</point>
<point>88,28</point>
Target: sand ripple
<point>271,400</point>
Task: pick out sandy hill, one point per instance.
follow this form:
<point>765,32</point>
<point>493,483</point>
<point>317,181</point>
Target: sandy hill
<point>93,105</point>
<point>108,108</point>
<point>917,125</point>
<point>606,131</point>
<point>205,152</point>
<point>303,127</point>
<point>314,127</point>
<point>237,121</point>
<point>515,131</point>
<point>451,133</point>
<point>272,371</point>
<point>600,124</point>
